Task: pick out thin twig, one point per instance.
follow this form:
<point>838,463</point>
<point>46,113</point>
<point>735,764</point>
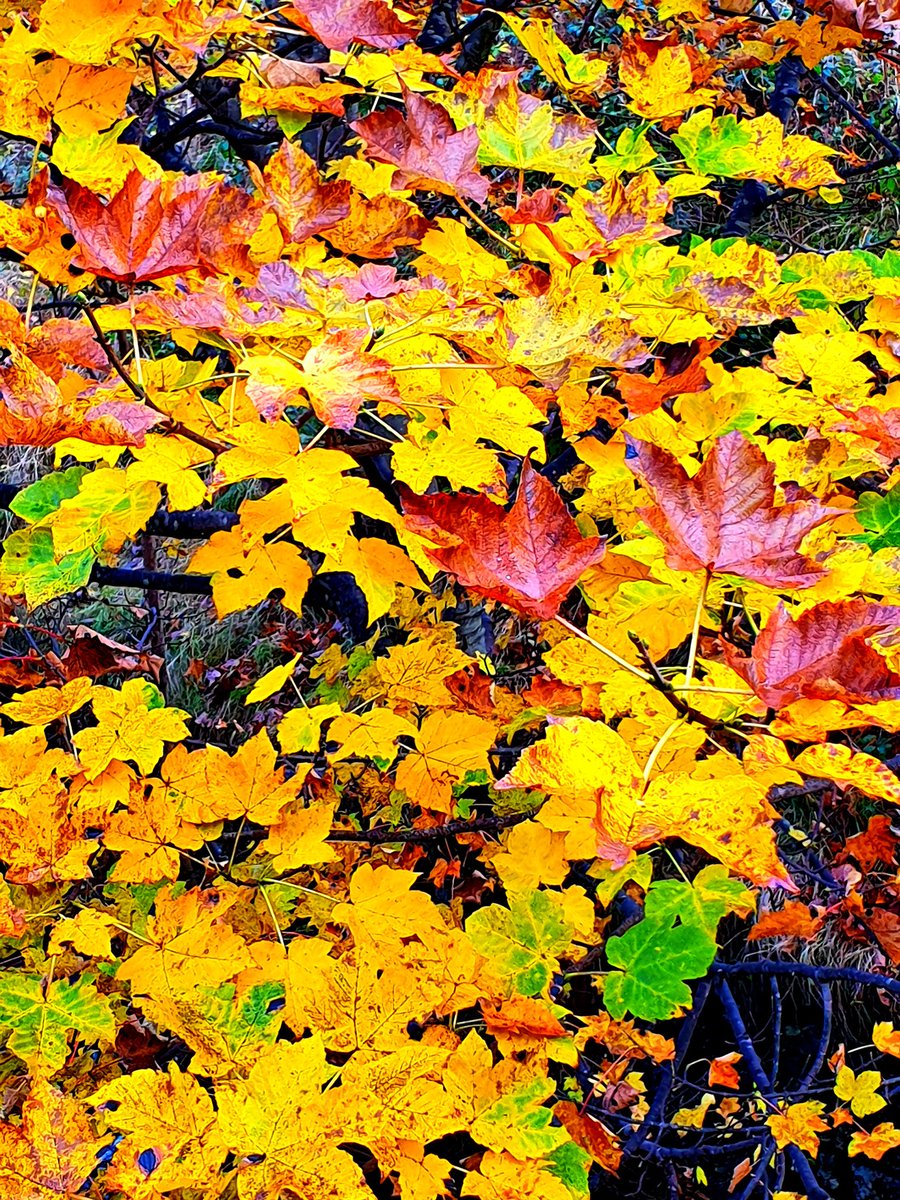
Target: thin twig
<point>140,393</point>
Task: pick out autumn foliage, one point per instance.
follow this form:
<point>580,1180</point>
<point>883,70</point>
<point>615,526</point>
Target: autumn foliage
<point>538,840</point>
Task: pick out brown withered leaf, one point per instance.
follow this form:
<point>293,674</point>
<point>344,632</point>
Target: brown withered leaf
<point>877,843</point>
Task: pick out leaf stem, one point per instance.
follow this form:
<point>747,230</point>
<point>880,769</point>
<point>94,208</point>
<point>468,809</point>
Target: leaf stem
<point>695,632</point>
<point>268,904</point>
<point>470,212</point>
<point>657,749</point>
<point>610,654</point>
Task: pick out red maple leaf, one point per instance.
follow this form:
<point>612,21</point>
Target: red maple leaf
<point>150,228</point>
<point>724,518</point>
<point>339,23</point>
<point>824,655</point>
<point>427,147</point>
<point>529,558</point>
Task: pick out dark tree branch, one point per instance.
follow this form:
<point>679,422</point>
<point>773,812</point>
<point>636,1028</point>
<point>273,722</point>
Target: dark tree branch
<point>655,1113</point>
<point>758,1074</point>
<point>151,581</point>
<point>385,833</point>
<point>818,1058</point>
<point>768,966</point>
<point>754,196</point>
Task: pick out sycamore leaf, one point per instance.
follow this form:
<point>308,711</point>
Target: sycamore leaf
<point>228,1028</point>
<point>210,785</point>
<point>52,1150</point>
<point>874,1143</point>
<point>298,837</point>
<point>188,944</point>
<point>30,567</point>
<point>284,1129</point>
<point>338,23</point>
<point>502,1176</point>
<point>675,941</point>
<point>599,798</point>
<point>724,518</point>
<point>149,228</point>
<point>133,725</point>
<point>825,654</point>
<point>529,558</point>
<point>40,1020</point>
<point>89,932</point>
<point>886,1038</point>
<point>148,837</point>
<point>42,706</point>
<point>339,375</point>
<point>242,575</point>
<point>302,202</point>
<point>659,79</point>
<point>169,1112</point>
<point>518,1122</point>
<point>575,73</point>
<point>448,746</point>
<point>519,130</point>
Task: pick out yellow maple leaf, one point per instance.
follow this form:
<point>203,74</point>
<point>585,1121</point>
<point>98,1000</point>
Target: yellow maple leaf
<point>799,1125</point>
<point>861,1090</point>
<point>170,1112</point>
<point>41,706</point>
<point>133,726</point>
<point>448,746</point>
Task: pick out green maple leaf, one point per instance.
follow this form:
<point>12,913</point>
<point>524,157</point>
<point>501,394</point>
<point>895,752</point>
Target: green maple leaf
<point>44,497</point>
<point>656,958</point>
<point>703,902</point>
<point>524,940</point>
<point>674,942</point>
<point>39,1022</point>
<point>715,146</point>
<point>880,518</point>
<point>223,1031</point>
<point>31,568</point>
